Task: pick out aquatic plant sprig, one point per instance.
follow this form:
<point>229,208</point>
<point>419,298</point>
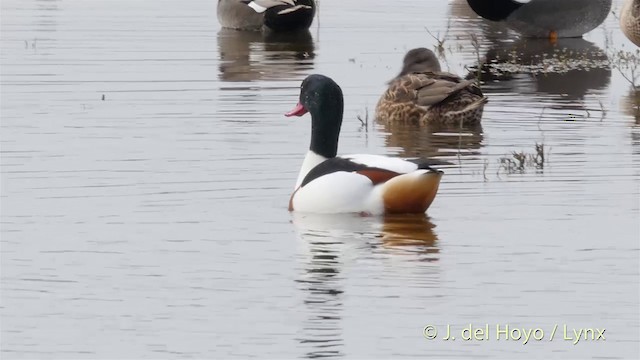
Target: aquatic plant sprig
<point>519,161</point>
<point>440,49</point>
<point>628,65</point>
<point>558,61</point>
<point>364,123</point>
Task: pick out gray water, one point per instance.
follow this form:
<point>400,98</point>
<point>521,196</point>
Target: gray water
<point>147,168</point>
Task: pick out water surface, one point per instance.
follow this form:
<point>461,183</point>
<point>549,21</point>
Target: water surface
<point>147,167</point>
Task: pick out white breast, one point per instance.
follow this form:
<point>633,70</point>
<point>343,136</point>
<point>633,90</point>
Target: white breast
<point>311,160</point>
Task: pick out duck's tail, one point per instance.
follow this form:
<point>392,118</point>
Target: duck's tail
<point>478,103</point>
<point>469,114</point>
<point>411,193</point>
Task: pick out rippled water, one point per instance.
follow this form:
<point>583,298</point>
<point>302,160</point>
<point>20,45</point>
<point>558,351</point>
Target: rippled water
<point>147,167</point>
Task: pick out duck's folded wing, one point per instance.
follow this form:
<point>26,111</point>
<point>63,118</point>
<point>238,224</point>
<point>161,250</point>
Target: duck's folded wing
<point>388,163</point>
<point>439,90</point>
<point>378,168</point>
<point>271,3</point>
<point>349,165</point>
<point>426,89</point>
<point>404,88</point>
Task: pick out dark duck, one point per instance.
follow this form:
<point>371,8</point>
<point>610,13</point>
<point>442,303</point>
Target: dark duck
<point>269,15</point>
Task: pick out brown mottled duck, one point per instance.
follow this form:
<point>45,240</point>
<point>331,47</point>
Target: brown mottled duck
<point>630,20</point>
<point>423,94</point>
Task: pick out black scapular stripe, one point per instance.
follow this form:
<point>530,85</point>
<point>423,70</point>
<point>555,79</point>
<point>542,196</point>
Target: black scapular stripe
<point>342,164</point>
<point>335,164</point>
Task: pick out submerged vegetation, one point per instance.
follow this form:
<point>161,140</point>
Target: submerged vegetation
<point>560,60</point>
<point>628,65</point>
<point>518,162</point>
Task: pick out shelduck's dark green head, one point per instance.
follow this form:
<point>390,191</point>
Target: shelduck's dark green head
<point>323,99</point>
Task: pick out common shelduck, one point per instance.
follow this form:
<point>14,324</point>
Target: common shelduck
<point>366,184</point>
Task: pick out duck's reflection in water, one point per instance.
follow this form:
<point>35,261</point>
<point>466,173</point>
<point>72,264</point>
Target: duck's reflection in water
<point>407,232</point>
<point>251,56</point>
<point>326,243</point>
<point>569,69</point>
<point>566,70</point>
<point>321,282</point>
<point>434,141</point>
<point>368,232</point>
<point>630,104</point>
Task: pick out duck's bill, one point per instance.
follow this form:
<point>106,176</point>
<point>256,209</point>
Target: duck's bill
<point>299,110</point>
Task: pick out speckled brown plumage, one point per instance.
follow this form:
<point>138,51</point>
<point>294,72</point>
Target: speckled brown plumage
<point>422,94</point>
<point>630,20</point>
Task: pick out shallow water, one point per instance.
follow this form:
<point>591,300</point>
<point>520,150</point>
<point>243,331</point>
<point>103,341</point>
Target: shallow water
<point>146,170</point>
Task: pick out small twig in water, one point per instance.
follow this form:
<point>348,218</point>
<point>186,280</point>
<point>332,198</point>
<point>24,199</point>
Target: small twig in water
<point>476,46</point>
<point>540,117</point>
<point>460,142</point>
<point>603,111</point>
<point>628,64</point>
<point>364,122</point>
<point>484,169</point>
<point>440,47</point>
